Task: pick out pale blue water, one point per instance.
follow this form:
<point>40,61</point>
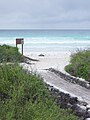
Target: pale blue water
<point>48,40</point>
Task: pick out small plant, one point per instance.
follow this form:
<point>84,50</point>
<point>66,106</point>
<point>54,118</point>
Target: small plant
<point>80,65</point>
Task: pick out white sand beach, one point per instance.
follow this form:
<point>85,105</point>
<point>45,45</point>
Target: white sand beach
<point>54,60</point>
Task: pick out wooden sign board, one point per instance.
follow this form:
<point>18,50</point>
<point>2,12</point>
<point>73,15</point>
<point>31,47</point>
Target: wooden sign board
<point>19,41</point>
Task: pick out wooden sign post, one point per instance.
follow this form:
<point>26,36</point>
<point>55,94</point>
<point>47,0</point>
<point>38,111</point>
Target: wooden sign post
<point>20,41</point>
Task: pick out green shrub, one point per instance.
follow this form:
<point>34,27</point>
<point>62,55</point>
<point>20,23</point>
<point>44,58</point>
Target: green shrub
<point>80,65</point>
<point>24,97</point>
<point>9,54</point>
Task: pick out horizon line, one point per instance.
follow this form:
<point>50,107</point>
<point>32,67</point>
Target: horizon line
<point>45,29</point>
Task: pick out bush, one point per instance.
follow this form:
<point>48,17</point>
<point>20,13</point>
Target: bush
<point>24,97</point>
<point>80,65</point>
<point>10,54</point>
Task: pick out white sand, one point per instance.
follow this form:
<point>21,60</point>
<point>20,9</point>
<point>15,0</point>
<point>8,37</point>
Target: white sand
<point>54,60</point>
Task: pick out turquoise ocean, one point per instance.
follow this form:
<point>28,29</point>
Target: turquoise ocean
<point>43,41</point>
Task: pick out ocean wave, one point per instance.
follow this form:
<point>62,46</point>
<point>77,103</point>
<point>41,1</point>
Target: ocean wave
<point>49,43</point>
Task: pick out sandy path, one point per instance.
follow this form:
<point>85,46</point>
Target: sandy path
<point>57,61</point>
<point>54,60</point>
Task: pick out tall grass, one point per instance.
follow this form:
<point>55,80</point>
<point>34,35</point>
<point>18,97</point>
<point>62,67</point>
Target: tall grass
<point>24,97</point>
<point>80,65</point>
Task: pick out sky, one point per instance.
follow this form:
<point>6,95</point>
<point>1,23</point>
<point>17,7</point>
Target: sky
<point>44,14</point>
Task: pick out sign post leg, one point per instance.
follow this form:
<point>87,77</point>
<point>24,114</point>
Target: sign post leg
<point>20,41</point>
<point>22,49</point>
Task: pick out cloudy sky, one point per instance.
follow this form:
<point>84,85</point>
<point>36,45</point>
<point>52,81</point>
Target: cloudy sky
<point>43,14</point>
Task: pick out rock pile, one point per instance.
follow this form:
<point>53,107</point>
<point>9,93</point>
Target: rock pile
<point>64,100</point>
<point>71,78</point>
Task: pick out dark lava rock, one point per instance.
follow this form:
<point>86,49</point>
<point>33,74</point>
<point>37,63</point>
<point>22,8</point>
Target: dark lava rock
<point>73,100</point>
<point>41,55</point>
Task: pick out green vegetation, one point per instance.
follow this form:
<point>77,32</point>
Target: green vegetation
<point>80,65</point>
<point>10,54</point>
<point>24,97</point>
